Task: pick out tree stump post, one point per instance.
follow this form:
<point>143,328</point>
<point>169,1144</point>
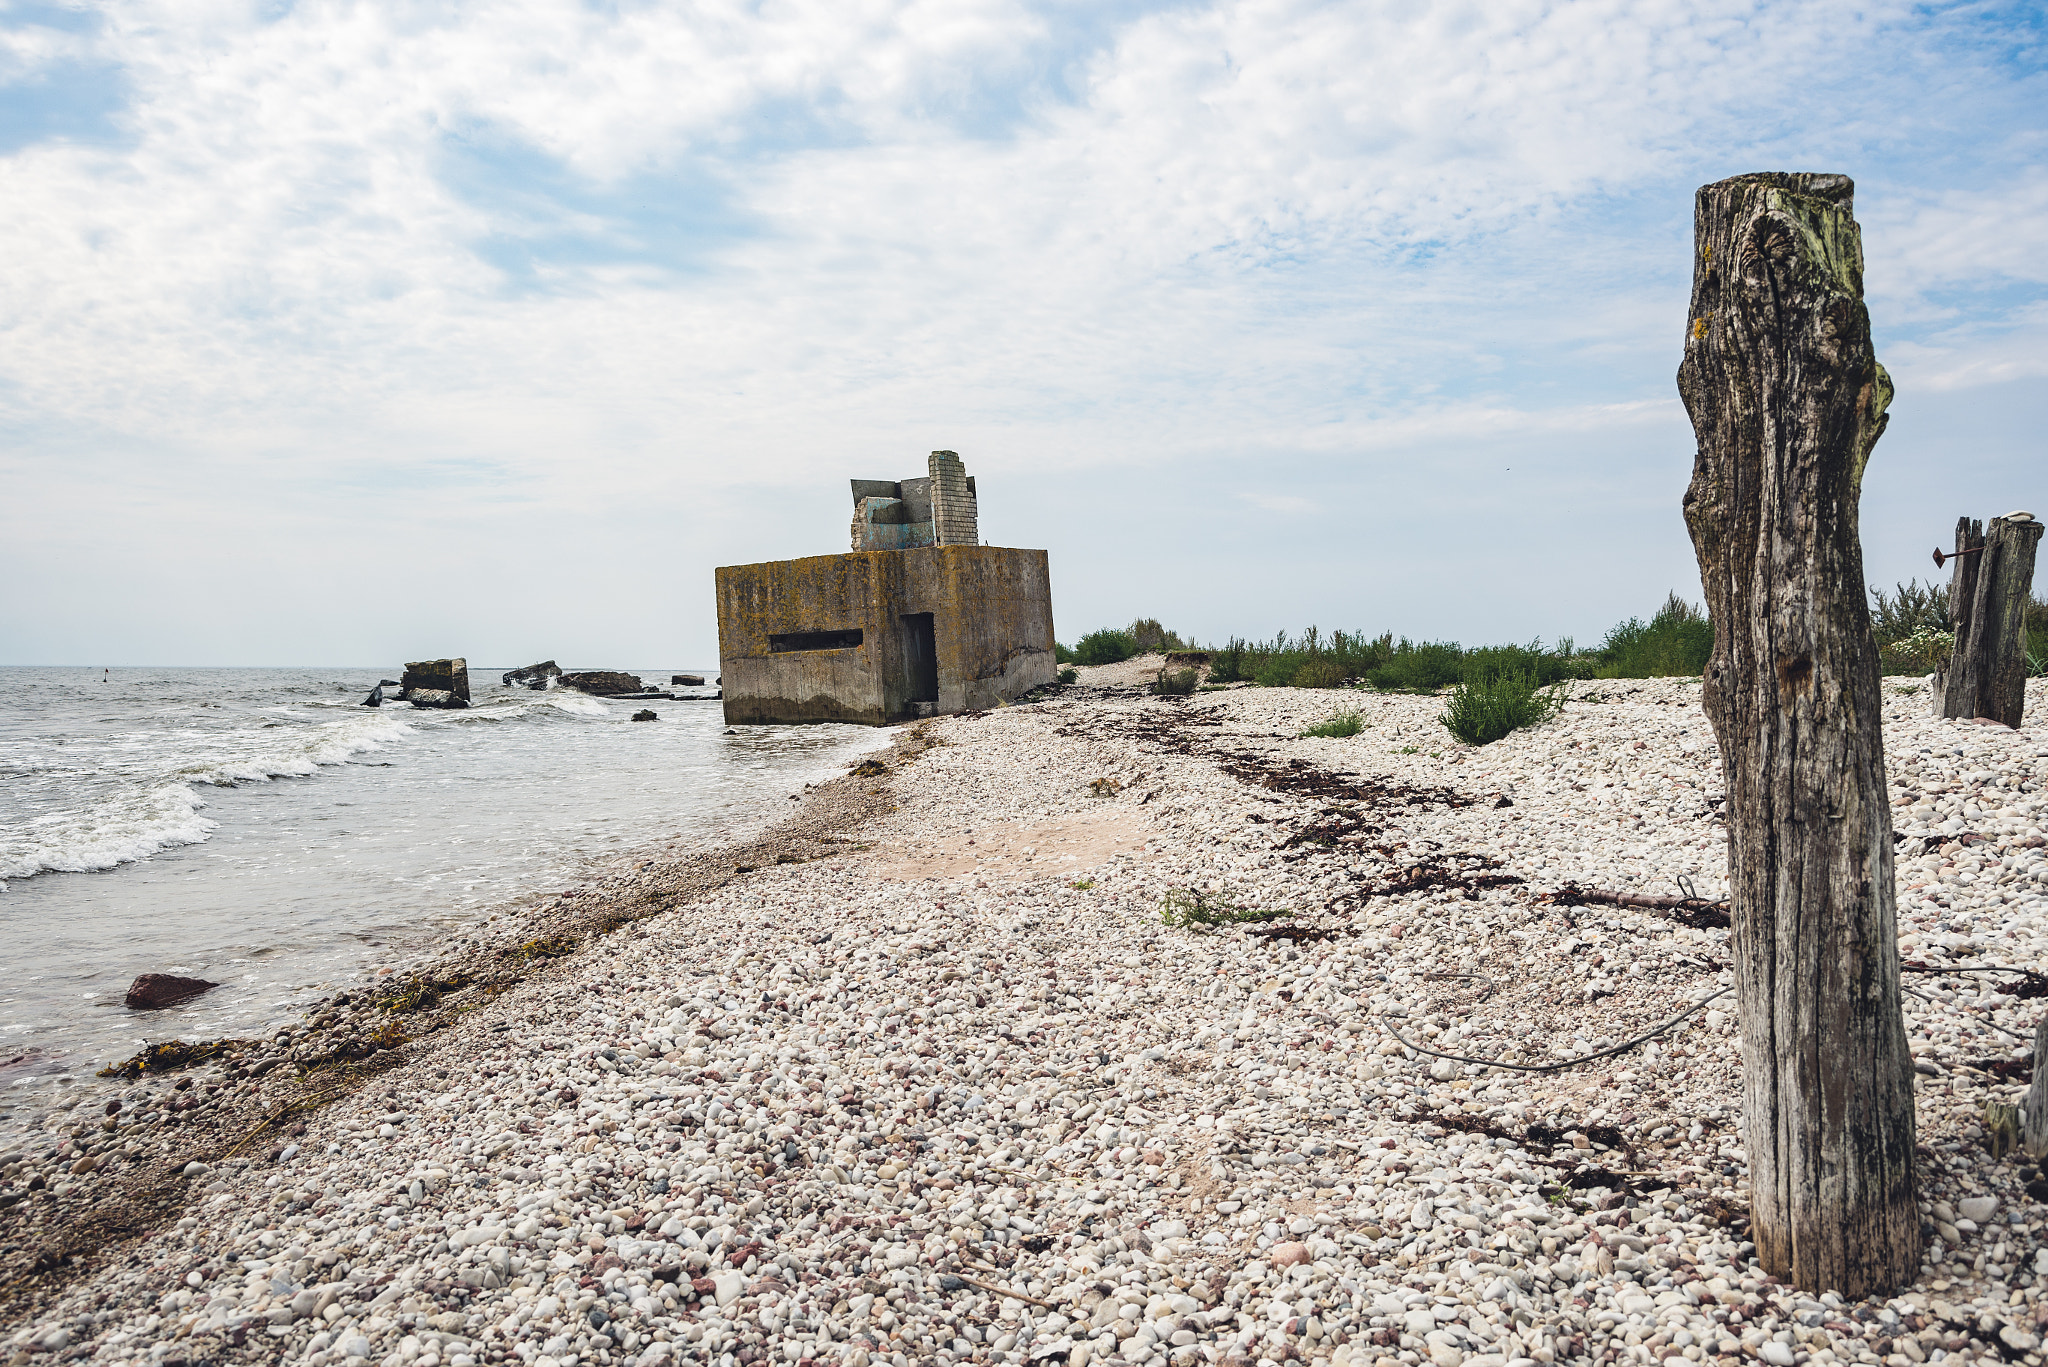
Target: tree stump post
<point>1786,400</point>
<point>1987,676</point>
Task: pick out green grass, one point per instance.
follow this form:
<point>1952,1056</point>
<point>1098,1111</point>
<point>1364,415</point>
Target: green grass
<point>1177,681</point>
<point>1185,909</point>
<point>1486,706</point>
<point>1067,676</point>
<point>1338,725</point>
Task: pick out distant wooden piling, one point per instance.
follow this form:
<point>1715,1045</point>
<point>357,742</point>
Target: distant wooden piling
<point>1987,607</point>
<point>1786,400</point>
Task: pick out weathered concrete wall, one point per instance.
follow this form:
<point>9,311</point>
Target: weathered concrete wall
<point>955,515</point>
<point>941,509</point>
<point>886,524</point>
<point>450,676</point>
<point>992,626</point>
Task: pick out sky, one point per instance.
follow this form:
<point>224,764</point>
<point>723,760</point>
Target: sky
<point>352,333</point>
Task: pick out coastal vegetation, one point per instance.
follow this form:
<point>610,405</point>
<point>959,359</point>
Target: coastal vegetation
<point>1488,705</point>
<point>1190,909</point>
<point>1910,624</point>
<point>1339,725</point>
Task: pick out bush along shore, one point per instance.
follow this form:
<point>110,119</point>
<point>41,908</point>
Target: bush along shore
<point>1911,625</point>
<point>1112,1029</point>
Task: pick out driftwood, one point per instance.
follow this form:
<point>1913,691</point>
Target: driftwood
<point>1786,400</point>
<point>1987,605</point>
<point>1697,912</point>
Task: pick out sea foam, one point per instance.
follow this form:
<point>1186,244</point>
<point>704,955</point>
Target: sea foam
<point>146,800</point>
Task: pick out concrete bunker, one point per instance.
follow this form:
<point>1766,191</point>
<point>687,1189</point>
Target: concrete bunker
<point>919,619</point>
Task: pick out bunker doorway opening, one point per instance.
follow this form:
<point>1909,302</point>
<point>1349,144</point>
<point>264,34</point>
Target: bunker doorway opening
<point>920,657</point>
<point>814,640</point>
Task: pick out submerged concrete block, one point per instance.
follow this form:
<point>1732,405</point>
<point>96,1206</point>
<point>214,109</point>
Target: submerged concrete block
<point>439,676</point>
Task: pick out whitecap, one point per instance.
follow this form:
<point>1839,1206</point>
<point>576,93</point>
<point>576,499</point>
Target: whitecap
<point>143,813</point>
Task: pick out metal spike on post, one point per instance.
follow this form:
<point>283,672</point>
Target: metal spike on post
<point>1786,400</point>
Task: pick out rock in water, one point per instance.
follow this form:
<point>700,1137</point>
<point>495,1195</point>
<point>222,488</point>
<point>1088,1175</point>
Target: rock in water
<point>691,680</point>
<point>645,714</point>
<point>433,697</point>
<point>155,991</point>
<point>602,682</point>
<point>436,676</point>
<point>533,676</point>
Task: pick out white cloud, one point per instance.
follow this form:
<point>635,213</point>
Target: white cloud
<point>469,260</point>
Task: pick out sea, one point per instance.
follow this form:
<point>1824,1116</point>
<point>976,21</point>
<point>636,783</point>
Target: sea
<point>263,829</point>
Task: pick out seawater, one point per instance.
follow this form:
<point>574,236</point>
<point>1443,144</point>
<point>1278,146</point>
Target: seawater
<point>261,828</point>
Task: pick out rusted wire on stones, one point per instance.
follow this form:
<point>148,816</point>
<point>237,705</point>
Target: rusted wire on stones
<point>2034,979</point>
<point>1623,1047</point>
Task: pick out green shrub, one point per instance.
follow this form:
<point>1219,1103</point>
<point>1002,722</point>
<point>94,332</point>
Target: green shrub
<point>1186,909</point>
<point>1318,673</point>
<point>1105,647</point>
<point>1150,638</point>
<point>1485,707</point>
<point>1062,654</point>
<point>1549,666</point>
<point>1228,664</point>
<point>1276,671</point>
<point>1926,651</point>
<point>1422,668</point>
<point>1177,681</point>
<point>1910,607</point>
<point>1678,640</point>
<point>1338,725</point>
<point>1068,676</point>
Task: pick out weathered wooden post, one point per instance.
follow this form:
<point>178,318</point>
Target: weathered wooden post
<point>1786,400</point>
<point>1962,586</point>
<point>2034,1113</point>
<point>1987,606</point>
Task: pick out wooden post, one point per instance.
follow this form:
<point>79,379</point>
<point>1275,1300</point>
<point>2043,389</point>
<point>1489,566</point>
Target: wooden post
<point>1962,588</point>
<point>2035,1119</point>
<point>1988,608</point>
<point>1786,400</point>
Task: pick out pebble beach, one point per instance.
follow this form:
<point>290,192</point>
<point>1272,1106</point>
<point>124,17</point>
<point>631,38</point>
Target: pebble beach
<point>1104,1030</point>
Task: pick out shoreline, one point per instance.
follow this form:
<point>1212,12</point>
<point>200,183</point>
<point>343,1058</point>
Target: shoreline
<point>326,842</point>
<point>254,1089</point>
<point>946,1091</point>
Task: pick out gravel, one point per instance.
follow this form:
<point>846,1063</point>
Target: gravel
<point>944,1087</point>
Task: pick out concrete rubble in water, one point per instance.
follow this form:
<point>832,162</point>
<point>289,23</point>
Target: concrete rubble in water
<point>839,1111</point>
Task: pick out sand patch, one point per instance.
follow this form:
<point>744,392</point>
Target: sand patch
<point>1064,845</point>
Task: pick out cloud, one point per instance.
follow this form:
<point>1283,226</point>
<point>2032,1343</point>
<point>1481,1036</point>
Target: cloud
<point>1291,504</point>
<point>447,267</point>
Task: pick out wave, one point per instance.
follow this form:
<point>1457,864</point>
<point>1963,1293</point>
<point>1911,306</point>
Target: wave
<point>106,799</point>
<point>121,811</point>
<point>117,829</point>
